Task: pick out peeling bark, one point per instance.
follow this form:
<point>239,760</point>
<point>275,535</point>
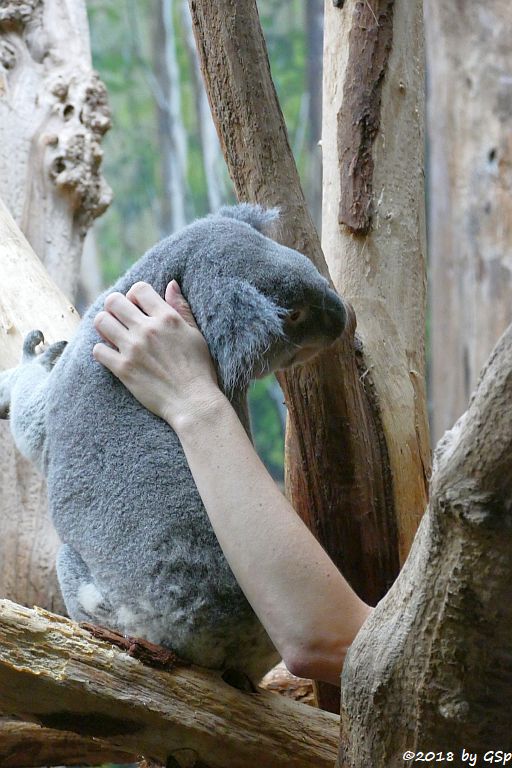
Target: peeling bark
<point>369,45</point>
<point>382,273</point>
<point>431,669</point>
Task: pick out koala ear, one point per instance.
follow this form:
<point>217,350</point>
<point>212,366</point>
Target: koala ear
<point>239,324</point>
<point>255,215</point>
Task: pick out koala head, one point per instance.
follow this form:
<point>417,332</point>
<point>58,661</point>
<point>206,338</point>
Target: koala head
<point>261,306</point>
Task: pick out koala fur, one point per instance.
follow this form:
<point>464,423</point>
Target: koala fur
<point>139,554</point>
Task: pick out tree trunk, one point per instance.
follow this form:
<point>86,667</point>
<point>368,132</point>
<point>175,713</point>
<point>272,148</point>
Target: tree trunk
<point>373,220</point>
<point>53,113</point>
<point>171,131</point>
<point>432,669</point>
<point>366,500</point>
<point>57,674</point>
<point>470,196</point>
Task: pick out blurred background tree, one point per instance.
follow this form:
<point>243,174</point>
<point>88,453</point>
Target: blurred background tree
<point>162,155</point>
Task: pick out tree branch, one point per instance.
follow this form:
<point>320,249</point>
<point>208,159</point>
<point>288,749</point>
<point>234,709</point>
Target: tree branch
<point>440,639</point>
<point>29,298</point>
<point>26,745</point>
<point>332,422</point>
<point>53,672</point>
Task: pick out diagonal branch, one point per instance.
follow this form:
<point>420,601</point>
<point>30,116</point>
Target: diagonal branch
<point>54,673</point>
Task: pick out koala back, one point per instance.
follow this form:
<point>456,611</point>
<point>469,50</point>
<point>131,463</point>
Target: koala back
<point>141,555</point>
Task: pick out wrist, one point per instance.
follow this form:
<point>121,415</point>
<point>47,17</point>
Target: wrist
<point>205,407</point>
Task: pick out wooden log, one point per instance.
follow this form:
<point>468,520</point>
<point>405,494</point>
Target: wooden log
<point>55,673</point>
<point>27,745</point>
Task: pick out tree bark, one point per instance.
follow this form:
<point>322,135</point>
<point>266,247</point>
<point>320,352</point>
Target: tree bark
<point>470,193</point>
<point>55,673</point>
<point>431,669</point>
<point>26,745</point>
<point>44,306</point>
<point>356,473</point>
<point>335,462</point>
<point>53,113</point>
<point>373,230</point>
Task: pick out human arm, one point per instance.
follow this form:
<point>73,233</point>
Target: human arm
<point>305,604</point>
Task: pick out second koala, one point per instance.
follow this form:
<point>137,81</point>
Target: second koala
<point>139,554</point>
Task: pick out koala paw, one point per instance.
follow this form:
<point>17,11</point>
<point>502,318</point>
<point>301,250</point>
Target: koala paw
<point>32,340</point>
<point>50,356</point>
<point>47,357</point>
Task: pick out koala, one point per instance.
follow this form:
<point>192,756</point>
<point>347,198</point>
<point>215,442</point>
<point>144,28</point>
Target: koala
<point>138,552</point>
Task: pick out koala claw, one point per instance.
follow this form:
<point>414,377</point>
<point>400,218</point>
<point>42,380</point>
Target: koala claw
<point>50,356</point>
<point>32,340</point>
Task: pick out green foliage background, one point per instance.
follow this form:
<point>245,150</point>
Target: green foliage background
<point>121,43</point>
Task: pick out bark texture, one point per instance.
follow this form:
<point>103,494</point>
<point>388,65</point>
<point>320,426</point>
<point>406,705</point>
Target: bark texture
<point>370,38</point>
<point>470,200</point>
<point>432,669</point>
<point>26,745</point>
<point>55,673</point>
<point>337,469</point>
<point>335,463</point>
<point>373,230</point>
<point>53,114</point>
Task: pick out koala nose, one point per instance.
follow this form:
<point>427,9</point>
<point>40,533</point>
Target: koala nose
<point>334,314</point>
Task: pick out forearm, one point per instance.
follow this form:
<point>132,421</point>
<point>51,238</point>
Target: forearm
<point>303,601</point>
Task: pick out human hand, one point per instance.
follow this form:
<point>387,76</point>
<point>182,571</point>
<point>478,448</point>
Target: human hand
<point>157,351</point>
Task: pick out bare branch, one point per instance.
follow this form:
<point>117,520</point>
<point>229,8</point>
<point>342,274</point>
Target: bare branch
<point>26,745</point>
<point>55,673</point>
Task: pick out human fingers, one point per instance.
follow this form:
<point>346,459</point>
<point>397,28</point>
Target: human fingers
<point>177,301</point>
<point>123,309</point>
<point>110,328</point>
<point>146,298</point>
<point>108,357</point>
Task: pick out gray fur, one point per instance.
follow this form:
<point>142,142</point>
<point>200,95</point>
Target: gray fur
<point>139,553</point>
